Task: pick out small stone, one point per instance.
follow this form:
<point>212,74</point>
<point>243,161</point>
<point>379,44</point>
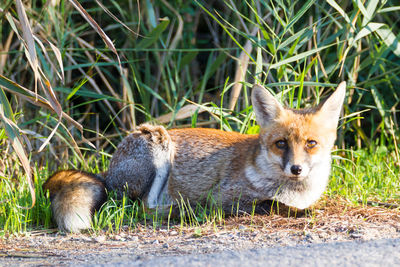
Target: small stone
<point>155,242</point>
<point>173,233</point>
<point>100,239</point>
<point>84,239</point>
<point>118,238</point>
<point>356,235</point>
<point>241,227</point>
<point>166,245</point>
<point>134,238</point>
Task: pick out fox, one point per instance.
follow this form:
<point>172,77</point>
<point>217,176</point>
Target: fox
<point>289,162</point>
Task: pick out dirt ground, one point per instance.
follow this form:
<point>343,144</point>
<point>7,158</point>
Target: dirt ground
<point>330,222</point>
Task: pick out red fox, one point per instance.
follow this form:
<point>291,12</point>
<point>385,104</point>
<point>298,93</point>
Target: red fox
<point>289,161</point>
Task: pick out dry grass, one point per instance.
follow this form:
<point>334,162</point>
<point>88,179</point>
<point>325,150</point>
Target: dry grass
<point>327,214</point>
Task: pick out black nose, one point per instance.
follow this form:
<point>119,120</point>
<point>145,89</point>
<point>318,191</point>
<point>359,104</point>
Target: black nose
<point>295,169</point>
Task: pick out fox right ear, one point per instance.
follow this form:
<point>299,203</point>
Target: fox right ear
<point>330,109</point>
<point>265,106</point>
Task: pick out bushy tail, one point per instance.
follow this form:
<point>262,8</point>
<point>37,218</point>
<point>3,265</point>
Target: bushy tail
<point>75,195</point>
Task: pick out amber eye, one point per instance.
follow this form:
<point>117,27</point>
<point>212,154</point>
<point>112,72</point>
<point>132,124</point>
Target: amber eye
<point>311,143</point>
<point>281,144</point>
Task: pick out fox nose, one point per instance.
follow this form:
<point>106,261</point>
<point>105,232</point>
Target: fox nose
<point>296,169</point>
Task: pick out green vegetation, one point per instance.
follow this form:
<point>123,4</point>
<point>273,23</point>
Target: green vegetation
<point>70,90</point>
<point>364,175</point>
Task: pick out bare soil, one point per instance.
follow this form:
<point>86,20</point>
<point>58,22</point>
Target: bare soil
<point>328,221</point>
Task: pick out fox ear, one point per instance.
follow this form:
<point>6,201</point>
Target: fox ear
<point>265,106</point>
<point>330,109</point>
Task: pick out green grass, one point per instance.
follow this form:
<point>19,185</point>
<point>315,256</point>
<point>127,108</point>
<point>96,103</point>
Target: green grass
<point>367,175</point>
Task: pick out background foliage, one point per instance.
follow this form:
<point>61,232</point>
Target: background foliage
<point>76,76</point>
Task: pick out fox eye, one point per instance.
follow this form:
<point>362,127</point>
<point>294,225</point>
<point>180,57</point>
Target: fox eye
<point>311,143</point>
<point>281,144</point>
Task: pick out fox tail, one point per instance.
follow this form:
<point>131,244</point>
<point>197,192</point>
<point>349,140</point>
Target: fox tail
<point>75,195</point>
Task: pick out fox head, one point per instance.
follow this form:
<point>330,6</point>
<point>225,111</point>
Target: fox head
<point>296,141</point>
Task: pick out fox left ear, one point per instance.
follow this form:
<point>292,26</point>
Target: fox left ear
<point>331,108</point>
<point>265,106</point>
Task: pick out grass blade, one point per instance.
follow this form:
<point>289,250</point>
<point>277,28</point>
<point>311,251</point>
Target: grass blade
<point>390,40</point>
<point>154,35</point>
<point>339,9</point>
<point>96,27</point>
<point>12,130</point>
<point>300,56</point>
<point>28,40</point>
<point>114,17</point>
<point>33,98</point>
<point>299,14</point>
